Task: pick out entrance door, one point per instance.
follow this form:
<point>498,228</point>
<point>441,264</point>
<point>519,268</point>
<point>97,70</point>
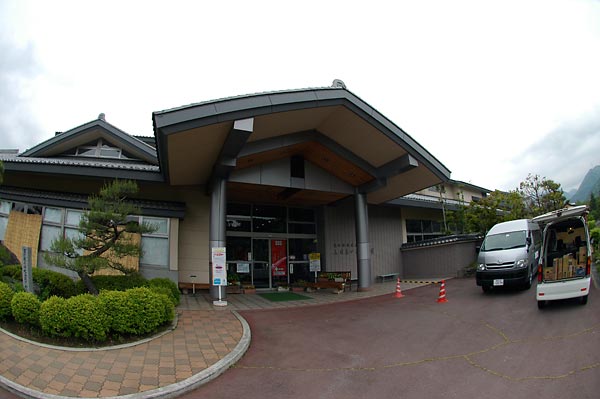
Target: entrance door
<point>279,263</point>
<point>260,263</point>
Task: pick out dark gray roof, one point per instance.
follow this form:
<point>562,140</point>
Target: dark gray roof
<point>79,201</point>
<point>129,142</point>
<point>78,166</point>
<point>240,107</point>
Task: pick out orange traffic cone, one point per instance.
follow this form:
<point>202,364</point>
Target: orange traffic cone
<point>398,293</point>
<point>442,296</point>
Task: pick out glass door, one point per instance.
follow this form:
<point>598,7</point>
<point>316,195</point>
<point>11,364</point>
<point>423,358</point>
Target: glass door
<point>260,263</point>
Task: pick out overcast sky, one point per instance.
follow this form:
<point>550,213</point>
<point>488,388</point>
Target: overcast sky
<point>493,89</point>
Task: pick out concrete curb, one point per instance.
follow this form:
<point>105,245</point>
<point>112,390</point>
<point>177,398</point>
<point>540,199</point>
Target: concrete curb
<point>169,391</point>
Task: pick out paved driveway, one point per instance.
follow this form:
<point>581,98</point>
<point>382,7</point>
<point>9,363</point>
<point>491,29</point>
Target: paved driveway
<point>496,345</point>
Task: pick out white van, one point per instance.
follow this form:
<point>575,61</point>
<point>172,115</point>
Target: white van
<point>565,265</point>
<point>509,255</point>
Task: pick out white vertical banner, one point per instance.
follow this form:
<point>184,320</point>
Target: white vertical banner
<point>219,272</point>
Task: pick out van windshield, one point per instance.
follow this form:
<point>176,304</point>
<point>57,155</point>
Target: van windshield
<point>497,242</point>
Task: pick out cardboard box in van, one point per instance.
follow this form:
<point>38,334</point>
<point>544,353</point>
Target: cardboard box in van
<point>574,271</point>
<point>549,273</point>
<point>582,255</point>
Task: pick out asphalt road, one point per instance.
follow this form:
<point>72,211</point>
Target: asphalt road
<point>496,345</point>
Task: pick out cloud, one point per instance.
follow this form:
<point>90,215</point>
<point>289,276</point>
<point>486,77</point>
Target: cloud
<point>18,69</point>
<point>566,153</point>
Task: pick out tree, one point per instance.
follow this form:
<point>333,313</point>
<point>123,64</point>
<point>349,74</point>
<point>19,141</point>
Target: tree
<point>485,213</point>
<point>457,219</point>
<point>541,195</point>
<point>594,205</point>
<point>106,235</point>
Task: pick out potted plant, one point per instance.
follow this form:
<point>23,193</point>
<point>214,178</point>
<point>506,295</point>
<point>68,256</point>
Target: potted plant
<point>249,289</point>
<point>233,283</point>
<point>299,286</point>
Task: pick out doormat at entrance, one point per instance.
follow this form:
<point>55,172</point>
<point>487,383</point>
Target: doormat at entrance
<point>283,296</point>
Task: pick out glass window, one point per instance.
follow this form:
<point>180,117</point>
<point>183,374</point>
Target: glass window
<point>53,215</point>
<point>110,152</point>
<point>155,245</point>
<point>159,224</point>
<point>234,209</point>
<point>269,219</point>
<point>238,224</point>
<point>3,224</point>
<point>299,248</point>
<point>238,248</point>
<point>413,226</point>
<point>301,215</point>
<point>302,228</point>
<point>155,251</point>
<point>49,234</point>
<point>5,207</point>
<point>73,217</point>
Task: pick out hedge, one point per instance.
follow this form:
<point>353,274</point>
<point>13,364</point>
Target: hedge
<point>135,311</point>
<point>25,308</point>
<point>117,282</point>
<point>168,284</point>
<point>48,282</point>
<point>6,295</point>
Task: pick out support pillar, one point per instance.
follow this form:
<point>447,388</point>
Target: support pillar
<point>218,228</point>
<point>363,253</point>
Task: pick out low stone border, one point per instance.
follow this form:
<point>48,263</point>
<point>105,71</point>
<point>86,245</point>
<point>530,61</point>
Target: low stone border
<point>98,348</point>
<point>167,392</point>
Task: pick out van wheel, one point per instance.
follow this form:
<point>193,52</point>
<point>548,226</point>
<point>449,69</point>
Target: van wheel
<point>529,281</point>
<point>541,304</point>
<point>486,288</point>
<point>583,300</point>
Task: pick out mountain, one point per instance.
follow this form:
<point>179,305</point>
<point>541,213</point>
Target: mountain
<point>590,184</point>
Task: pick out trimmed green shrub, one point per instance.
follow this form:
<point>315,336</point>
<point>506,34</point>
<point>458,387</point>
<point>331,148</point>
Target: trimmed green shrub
<point>53,283</point>
<point>115,305</point>
<point>54,317</point>
<point>48,282</point>
<point>135,311</point>
<point>87,319</point>
<point>168,302</point>
<point>119,283</point>
<point>6,295</point>
<point>170,285</point>
<point>25,308</point>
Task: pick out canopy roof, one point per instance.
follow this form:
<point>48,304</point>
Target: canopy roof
<point>329,127</point>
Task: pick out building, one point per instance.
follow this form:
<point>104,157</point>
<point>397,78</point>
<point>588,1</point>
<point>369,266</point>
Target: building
<point>272,177</point>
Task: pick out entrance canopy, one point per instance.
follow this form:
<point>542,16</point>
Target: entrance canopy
<point>331,129</point>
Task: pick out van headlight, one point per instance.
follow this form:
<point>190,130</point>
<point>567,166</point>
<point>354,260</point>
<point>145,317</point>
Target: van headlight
<point>481,267</point>
<point>521,263</point>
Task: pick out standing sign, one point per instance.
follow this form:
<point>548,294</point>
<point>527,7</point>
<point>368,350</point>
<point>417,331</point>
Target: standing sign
<point>315,262</point>
<point>27,274</point>
<point>219,272</point>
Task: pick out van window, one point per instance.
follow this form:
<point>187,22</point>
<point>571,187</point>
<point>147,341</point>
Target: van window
<point>497,242</point>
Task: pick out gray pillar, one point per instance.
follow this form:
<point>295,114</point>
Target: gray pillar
<point>218,227</point>
<point>363,253</point>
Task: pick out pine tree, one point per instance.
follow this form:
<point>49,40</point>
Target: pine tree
<point>106,235</point>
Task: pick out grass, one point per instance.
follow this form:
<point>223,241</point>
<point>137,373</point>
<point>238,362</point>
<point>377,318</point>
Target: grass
<point>284,296</point>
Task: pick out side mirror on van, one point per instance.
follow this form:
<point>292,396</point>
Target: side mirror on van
<point>528,241</point>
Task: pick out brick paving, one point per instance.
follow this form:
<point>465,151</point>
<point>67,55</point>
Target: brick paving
<point>204,335</point>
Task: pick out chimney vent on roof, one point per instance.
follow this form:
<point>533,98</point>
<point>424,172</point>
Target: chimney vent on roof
<point>338,84</point>
<point>57,133</point>
<point>102,117</point>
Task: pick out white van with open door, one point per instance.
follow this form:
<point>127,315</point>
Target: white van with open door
<point>565,265</point>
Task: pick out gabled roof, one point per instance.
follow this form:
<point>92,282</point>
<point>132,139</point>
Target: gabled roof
<point>330,126</point>
<point>49,156</point>
<point>87,132</point>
